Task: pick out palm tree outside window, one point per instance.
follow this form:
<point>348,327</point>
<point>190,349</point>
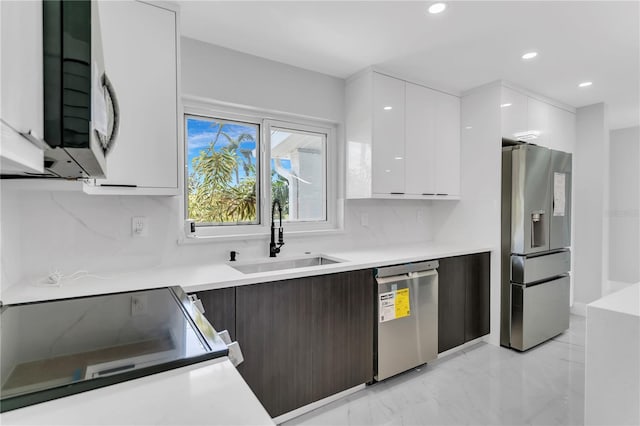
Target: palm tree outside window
<point>223,169</point>
<point>224,166</point>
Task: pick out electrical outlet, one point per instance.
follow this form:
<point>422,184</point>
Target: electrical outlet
<point>138,304</point>
<point>139,226</point>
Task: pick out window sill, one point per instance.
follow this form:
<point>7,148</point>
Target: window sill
<point>204,239</point>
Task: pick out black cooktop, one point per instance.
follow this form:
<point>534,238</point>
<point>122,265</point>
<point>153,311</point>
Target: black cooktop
<point>57,348</point>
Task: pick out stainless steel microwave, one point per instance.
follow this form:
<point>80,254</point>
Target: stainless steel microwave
<point>80,106</point>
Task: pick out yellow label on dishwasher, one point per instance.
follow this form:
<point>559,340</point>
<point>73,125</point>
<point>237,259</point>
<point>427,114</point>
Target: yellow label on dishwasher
<point>402,303</point>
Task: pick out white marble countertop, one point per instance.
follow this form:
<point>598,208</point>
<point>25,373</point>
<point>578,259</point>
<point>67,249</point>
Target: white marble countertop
<point>211,393</point>
<point>625,301</point>
<point>201,277</point>
<point>205,393</point>
<point>612,359</point>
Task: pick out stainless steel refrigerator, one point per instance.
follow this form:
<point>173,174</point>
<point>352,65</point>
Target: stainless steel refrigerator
<point>536,235</point>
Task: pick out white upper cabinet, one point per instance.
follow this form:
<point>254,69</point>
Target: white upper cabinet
<point>562,126</point>
<point>21,86</point>
<point>432,142</point>
<point>388,135</point>
<point>539,120</point>
<point>447,145</point>
<point>513,107</point>
<point>403,140</point>
<point>140,56</point>
<point>530,119</point>
<point>420,120</point>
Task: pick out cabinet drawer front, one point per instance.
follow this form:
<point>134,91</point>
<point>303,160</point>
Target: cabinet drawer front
<point>539,312</point>
<point>525,269</point>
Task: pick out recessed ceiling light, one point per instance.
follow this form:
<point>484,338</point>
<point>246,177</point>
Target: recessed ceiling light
<point>397,158</point>
<point>529,55</point>
<point>437,8</point>
<point>387,108</point>
<point>504,105</point>
<point>585,84</point>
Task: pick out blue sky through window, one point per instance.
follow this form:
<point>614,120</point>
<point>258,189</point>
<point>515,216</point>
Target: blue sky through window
<point>202,132</point>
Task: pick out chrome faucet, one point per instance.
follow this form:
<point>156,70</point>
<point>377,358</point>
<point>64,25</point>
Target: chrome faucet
<point>274,248</point>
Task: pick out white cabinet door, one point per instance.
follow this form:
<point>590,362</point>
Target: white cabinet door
<point>567,130</point>
<point>513,106</point>
<point>139,42</point>
<point>420,140</point>
<point>447,165</point>
<point>539,120</point>
<point>388,135</point>
<point>561,129</point>
<point>415,134</point>
<point>21,85</point>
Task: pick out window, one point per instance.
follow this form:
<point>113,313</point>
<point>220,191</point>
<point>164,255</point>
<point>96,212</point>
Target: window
<point>237,165</point>
<point>223,169</point>
<point>298,167</point>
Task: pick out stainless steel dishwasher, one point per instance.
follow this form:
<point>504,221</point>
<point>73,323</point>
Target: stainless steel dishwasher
<point>407,317</point>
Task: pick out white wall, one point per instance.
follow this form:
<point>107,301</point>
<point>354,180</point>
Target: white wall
<point>70,231</point>
<point>10,229</point>
<point>225,75</point>
<point>590,172</point>
<point>624,206</point>
<point>476,217</point>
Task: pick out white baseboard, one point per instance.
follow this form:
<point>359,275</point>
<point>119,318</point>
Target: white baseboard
<point>579,309</point>
<point>310,407</point>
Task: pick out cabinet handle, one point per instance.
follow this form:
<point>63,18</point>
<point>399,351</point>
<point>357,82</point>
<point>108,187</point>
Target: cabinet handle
<point>28,135</point>
<point>428,193</point>
<point>113,185</point>
<point>108,141</point>
<point>442,194</point>
<point>34,139</point>
<point>397,193</point>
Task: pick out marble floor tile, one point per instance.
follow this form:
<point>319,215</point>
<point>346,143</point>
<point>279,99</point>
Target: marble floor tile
<point>480,385</point>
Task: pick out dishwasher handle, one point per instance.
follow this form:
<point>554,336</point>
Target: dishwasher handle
<point>408,276</point>
<point>406,268</point>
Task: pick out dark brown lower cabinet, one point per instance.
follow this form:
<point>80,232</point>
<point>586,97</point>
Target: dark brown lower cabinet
<point>342,331</point>
<point>220,308</point>
<point>274,326</point>
<point>451,302</point>
<point>477,303</point>
<point>305,339</point>
<point>463,299</point>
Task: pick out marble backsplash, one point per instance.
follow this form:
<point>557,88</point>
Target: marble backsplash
<point>69,231</point>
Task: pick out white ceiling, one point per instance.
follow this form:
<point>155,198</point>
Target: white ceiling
<point>471,43</point>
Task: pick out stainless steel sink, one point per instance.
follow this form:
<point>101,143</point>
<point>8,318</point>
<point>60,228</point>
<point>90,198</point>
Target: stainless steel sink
<point>280,264</point>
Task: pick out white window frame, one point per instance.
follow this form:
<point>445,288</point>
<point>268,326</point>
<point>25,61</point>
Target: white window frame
<point>329,202</point>
<point>266,120</point>
<point>222,121</point>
